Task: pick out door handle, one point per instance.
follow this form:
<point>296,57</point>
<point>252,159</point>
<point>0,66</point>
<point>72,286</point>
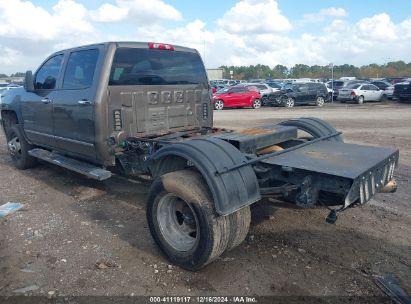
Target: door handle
<point>84,102</point>
<point>46,100</point>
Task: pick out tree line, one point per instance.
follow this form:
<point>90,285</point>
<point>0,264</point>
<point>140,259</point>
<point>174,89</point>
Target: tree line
<point>259,71</point>
<point>18,74</point>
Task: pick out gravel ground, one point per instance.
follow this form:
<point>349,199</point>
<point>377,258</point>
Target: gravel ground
<point>75,236</point>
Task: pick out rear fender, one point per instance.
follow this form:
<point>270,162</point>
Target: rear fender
<point>230,191</point>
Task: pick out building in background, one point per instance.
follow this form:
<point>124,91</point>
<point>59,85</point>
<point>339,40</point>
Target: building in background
<point>214,74</point>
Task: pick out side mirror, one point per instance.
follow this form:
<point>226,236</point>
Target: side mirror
<point>29,82</point>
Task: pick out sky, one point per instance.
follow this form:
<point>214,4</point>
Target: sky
<point>225,32</point>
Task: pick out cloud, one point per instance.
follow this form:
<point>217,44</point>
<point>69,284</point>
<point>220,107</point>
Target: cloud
<point>136,11</point>
<point>377,28</point>
<point>24,19</point>
<point>109,13</point>
<point>250,32</point>
<point>9,56</point>
<point>252,17</point>
<point>336,12</point>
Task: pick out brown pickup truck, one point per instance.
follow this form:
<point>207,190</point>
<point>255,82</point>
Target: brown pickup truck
<point>144,109</point>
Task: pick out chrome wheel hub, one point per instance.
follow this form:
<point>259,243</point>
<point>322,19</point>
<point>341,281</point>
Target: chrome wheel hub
<point>14,146</point>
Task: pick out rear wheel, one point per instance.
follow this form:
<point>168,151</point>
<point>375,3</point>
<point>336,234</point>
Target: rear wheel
<point>256,103</point>
<point>18,148</point>
<point>320,101</point>
<point>360,99</point>
<point>239,226</point>
<point>219,104</point>
<point>183,222</point>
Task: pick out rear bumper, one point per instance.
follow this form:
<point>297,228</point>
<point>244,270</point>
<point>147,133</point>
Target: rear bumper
<point>354,172</point>
<point>346,98</point>
<point>377,179</point>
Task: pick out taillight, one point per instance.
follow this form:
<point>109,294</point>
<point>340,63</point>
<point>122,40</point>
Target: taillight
<point>353,93</point>
<point>160,46</point>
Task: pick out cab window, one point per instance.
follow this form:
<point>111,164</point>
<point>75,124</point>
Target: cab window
<point>80,69</point>
<point>47,75</point>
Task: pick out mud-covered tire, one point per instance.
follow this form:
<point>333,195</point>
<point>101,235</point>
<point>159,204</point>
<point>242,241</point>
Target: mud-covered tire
<point>239,226</point>
<point>18,148</point>
<point>314,126</point>
<point>212,232</point>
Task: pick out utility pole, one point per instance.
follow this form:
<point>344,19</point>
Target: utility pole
<point>331,65</point>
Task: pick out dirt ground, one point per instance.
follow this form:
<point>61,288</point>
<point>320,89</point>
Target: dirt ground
<point>80,237</point>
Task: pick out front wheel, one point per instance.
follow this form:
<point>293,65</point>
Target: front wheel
<point>256,103</point>
<point>383,98</point>
<point>183,222</point>
<point>18,148</point>
<point>219,104</point>
<point>288,102</point>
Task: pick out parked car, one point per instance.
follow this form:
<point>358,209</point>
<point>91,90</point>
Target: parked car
<point>264,90</point>
<point>361,92</point>
<point>5,88</point>
<point>387,87</point>
<point>300,93</point>
<point>382,85</point>
<point>237,96</point>
<point>402,91</point>
<point>395,80</point>
<point>335,85</point>
<point>275,86</point>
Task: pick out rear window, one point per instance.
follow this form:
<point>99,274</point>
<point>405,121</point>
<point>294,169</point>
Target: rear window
<point>133,66</point>
<point>353,86</point>
<point>274,85</point>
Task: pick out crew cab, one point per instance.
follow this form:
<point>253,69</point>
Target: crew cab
<point>145,109</point>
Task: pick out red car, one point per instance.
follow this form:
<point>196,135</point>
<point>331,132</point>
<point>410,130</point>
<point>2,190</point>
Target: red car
<point>238,96</point>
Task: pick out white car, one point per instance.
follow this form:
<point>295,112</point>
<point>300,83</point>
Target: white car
<point>361,92</point>
<point>4,89</point>
<point>389,91</point>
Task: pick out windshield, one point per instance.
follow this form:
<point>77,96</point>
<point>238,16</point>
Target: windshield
<point>133,66</point>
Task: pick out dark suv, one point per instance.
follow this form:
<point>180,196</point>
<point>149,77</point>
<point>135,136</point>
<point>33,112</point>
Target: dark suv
<point>299,93</point>
<point>402,91</point>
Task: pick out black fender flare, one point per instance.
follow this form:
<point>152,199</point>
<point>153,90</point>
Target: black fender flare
<point>231,190</point>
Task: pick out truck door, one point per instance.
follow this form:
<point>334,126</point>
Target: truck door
<point>73,107</point>
<point>37,106</point>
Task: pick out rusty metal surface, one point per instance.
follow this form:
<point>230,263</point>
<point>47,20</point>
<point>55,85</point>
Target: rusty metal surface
<point>339,159</point>
<point>251,140</point>
<point>269,149</point>
<point>391,187</point>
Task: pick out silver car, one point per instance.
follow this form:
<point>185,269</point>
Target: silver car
<point>361,92</point>
<point>264,89</point>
